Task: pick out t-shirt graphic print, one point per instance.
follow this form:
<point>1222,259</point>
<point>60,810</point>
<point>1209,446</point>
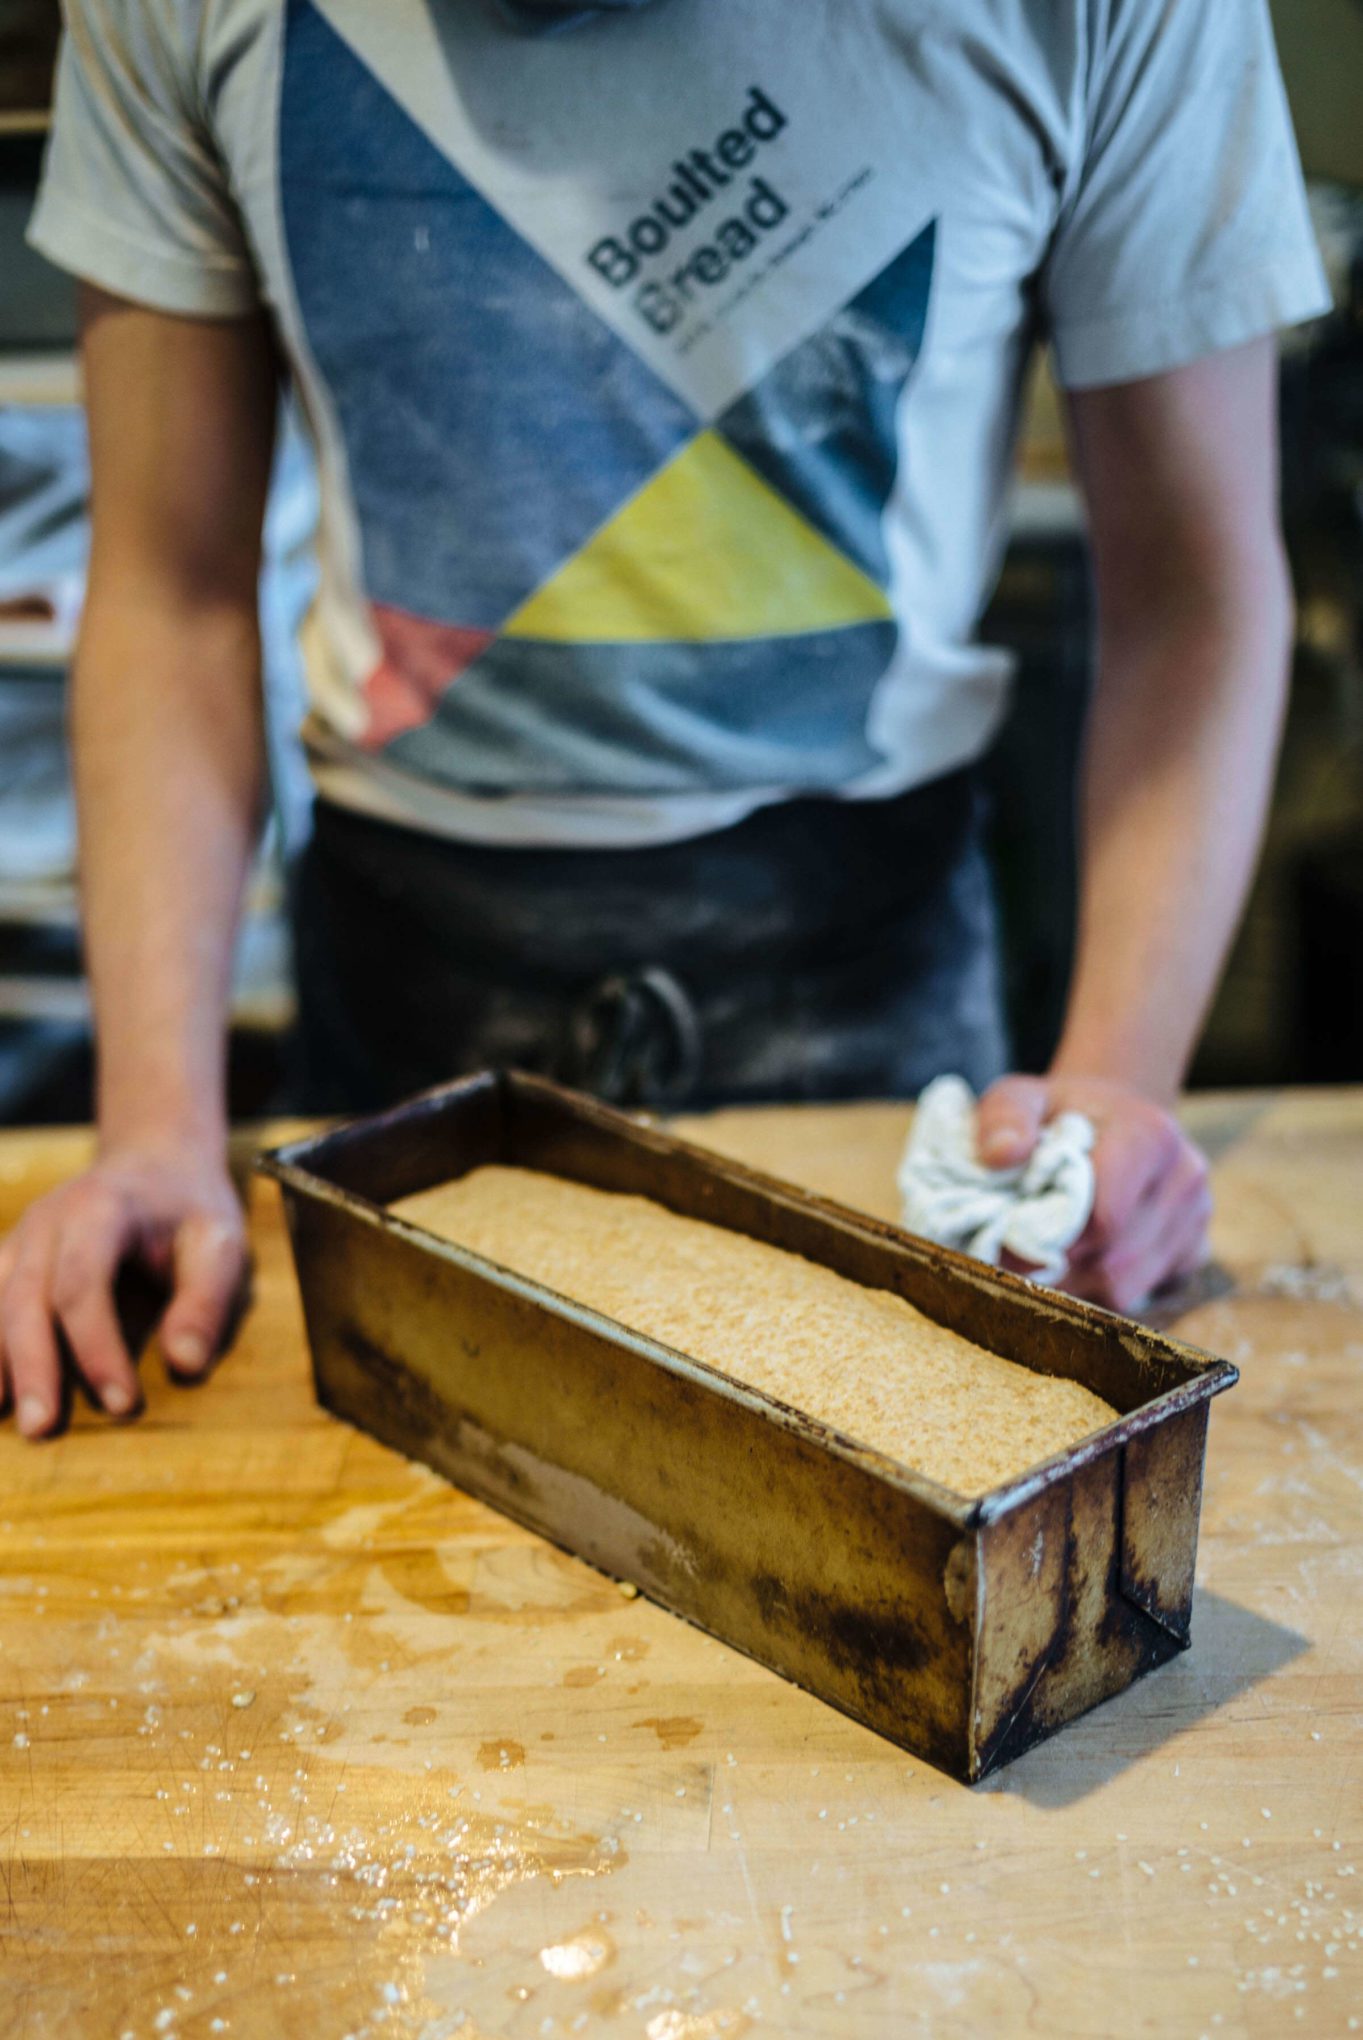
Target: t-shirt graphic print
<point>664,377</point>
<point>554,539</point>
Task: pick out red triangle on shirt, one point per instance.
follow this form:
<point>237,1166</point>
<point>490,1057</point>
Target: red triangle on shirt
<point>421,659</point>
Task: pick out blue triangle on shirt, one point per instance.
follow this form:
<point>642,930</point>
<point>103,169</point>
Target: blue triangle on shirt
<point>821,427</point>
<point>490,420</point>
<point>652,720</point>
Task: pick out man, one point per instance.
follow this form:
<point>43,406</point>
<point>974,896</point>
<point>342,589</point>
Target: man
<point>663,377</point>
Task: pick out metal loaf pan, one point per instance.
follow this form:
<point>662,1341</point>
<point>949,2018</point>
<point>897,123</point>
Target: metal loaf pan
<point>963,1629</point>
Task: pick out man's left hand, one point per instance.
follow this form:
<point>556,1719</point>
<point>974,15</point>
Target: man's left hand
<point>1153,1201</point>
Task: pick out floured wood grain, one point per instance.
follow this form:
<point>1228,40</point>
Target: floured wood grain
<point>479,1792</point>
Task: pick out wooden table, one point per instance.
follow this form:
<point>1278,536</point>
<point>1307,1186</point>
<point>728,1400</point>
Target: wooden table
<point>295,1740</point>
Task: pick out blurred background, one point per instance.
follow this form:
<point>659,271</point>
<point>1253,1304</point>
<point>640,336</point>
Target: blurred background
<point>1291,1006</point>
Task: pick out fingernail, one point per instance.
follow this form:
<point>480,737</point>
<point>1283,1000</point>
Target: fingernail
<point>117,1399</point>
<point>33,1415</point>
<point>188,1350</point>
<point>999,1146</point>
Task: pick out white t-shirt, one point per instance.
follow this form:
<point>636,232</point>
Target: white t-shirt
<point>664,375</point>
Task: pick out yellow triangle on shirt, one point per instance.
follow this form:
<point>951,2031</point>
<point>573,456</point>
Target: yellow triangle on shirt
<point>704,550</point>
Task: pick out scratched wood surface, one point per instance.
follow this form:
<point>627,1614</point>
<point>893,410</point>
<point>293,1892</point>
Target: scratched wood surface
<point>296,1741</point>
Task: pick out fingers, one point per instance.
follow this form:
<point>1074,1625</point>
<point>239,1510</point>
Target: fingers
<point>1101,1248</point>
<point>60,1267</point>
<point>58,1275</point>
<point>32,1362</point>
<point>6,1266</point>
<point>210,1259</point>
<point>1125,1285</point>
<point>1165,1237</point>
<point>1181,1244</point>
<point>85,1263</point>
<point>1137,1153</point>
<point>1008,1121</point>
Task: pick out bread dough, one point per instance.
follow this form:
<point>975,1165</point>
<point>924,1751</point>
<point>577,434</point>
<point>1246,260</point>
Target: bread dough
<point>860,1359</point>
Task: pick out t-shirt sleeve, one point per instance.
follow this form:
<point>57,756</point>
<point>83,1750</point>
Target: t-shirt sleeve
<point>1186,229</point>
<point>133,196</point>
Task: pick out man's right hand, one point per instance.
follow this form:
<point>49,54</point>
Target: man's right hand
<point>168,752</point>
<point>175,1212</point>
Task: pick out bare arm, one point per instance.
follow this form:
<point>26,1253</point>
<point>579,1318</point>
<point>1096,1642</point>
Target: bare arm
<point>168,750</point>
<point>1194,603</point>
<point>1180,476</point>
<point>166,720</point>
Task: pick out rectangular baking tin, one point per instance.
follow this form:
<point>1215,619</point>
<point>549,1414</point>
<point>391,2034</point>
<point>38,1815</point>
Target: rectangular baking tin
<point>963,1629</point>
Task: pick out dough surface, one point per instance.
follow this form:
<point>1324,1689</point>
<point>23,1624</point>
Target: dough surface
<point>859,1359</point>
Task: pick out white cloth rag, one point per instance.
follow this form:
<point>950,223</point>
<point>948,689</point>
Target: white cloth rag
<point>1035,1211</point>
